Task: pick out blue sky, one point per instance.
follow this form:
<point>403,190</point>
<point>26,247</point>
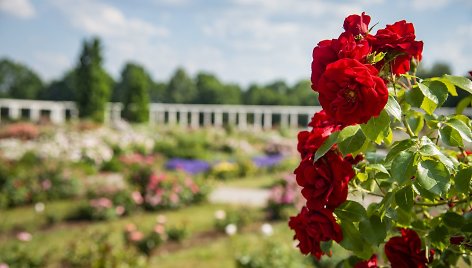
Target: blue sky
<point>241,41</point>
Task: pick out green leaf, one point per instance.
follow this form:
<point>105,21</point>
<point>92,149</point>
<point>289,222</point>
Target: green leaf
<point>430,101</point>
<point>453,220</point>
<point>378,168</point>
<point>460,81</point>
<point>373,230</point>
<point>352,240</point>
<point>326,146</point>
<point>439,90</point>
<point>450,136</point>
<point>352,144</point>
<point>348,132</point>
<point>398,147</point>
<point>404,198</point>
<point>464,103</point>
<point>462,180</point>
<point>439,236</point>
<point>450,86</point>
<point>403,166</point>
<point>414,97</point>
<point>428,148</point>
<point>377,127</point>
<point>433,176</point>
<point>416,121</point>
<point>461,127</point>
<point>350,211</point>
<point>393,108</point>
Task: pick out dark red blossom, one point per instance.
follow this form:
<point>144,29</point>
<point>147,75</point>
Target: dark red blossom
<point>351,92</point>
<point>357,25</point>
<point>405,251</point>
<point>325,182</point>
<point>398,41</point>
<point>312,227</point>
<point>322,127</point>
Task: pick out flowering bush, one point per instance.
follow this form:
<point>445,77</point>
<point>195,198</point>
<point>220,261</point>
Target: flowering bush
<point>420,188</point>
<point>284,197</point>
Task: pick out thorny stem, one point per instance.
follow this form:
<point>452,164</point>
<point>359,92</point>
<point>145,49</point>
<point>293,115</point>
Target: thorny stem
<point>407,126</point>
<point>464,154</point>
<point>378,185</point>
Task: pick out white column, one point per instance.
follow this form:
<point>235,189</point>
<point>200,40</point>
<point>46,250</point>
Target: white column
<point>172,117</point>
<point>14,111</point>
<point>293,120</point>
<point>207,119</point>
<point>194,119</point>
<point>152,117</point>
<point>218,118</point>
<point>183,118</point>
<point>35,113</point>
<point>242,120</point>
<point>161,117</point>
<point>283,120</point>
<point>267,120</point>
<point>74,114</point>
<point>57,114</point>
<point>257,119</point>
<point>232,118</point>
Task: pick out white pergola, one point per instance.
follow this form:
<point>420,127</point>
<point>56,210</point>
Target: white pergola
<point>185,115</point>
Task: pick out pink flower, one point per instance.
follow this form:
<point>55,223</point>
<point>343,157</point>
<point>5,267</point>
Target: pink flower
<point>120,210</point>
<point>137,197</point>
<point>46,184</point>
<point>130,227</point>
<point>102,202</point>
<point>24,236</point>
<point>159,229</point>
<point>135,236</point>
<point>4,265</point>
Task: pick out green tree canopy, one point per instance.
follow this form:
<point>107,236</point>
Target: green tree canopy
<point>181,88</point>
<point>63,89</point>
<point>212,91</point>
<point>18,81</point>
<point>135,84</point>
<point>92,82</point>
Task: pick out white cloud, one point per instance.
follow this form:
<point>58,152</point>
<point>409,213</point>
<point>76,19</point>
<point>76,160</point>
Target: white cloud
<point>105,20</point>
<point>20,8</point>
<point>429,4</point>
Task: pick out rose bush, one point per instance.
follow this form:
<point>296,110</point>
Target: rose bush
<point>418,184</point>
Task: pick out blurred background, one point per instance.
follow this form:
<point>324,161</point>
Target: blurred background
<point>162,133</point>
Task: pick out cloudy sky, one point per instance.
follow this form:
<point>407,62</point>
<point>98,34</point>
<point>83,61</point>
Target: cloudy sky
<point>241,41</point>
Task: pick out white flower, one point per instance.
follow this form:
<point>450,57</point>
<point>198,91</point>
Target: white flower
<point>231,229</point>
<point>220,214</point>
<point>39,207</point>
<point>267,229</point>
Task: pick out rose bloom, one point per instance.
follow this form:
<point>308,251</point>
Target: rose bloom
<point>357,25</point>
<point>310,141</point>
<point>329,51</point>
<point>405,251</point>
<point>398,39</point>
<point>351,92</point>
<point>370,263</point>
<point>325,182</point>
<point>312,227</point>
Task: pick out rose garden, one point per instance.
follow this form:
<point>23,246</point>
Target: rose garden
<point>378,178</point>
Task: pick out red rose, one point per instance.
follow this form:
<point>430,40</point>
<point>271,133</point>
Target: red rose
<point>405,251</point>
<point>370,263</point>
<point>456,240</point>
<point>351,92</point>
<point>312,227</point>
<point>329,51</point>
<point>357,25</point>
<point>323,54</point>
<point>325,182</point>
<point>310,141</point>
<point>398,40</point>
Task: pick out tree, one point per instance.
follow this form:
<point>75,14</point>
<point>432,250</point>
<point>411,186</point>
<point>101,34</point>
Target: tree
<point>438,69</point>
<point>181,88</point>
<point>212,91</point>
<point>302,94</point>
<point>61,90</point>
<point>135,83</point>
<point>93,84</point>
<point>18,81</point>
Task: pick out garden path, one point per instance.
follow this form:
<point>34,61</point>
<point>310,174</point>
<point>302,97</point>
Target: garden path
<point>240,196</point>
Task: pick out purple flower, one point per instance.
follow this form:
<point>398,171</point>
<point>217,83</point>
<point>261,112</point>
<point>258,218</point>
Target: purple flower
<point>268,160</point>
<point>188,165</point>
